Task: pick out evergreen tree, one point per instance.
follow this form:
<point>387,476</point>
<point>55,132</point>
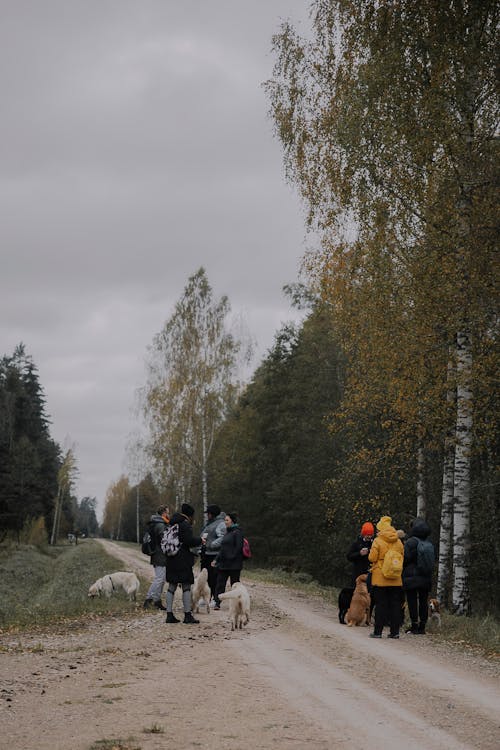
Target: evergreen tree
<point>274,453</point>
<point>29,458</point>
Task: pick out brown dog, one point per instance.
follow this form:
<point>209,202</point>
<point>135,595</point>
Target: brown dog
<point>434,612</point>
<point>359,610</point>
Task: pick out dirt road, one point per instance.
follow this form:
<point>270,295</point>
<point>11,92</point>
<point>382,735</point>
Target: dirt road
<point>293,679</point>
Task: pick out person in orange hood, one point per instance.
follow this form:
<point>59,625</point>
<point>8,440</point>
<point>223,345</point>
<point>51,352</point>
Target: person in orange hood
<point>386,585</point>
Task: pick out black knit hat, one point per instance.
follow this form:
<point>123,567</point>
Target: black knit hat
<point>213,509</point>
<point>187,510</point>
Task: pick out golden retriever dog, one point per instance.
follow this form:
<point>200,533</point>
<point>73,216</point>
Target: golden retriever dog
<point>359,609</point>
<point>239,605</point>
<point>120,581</point>
<point>201,590</point>
<point>434,612</point>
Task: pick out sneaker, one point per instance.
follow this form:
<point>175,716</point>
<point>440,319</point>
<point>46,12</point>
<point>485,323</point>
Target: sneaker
<point>395,636</point>
<point>189,619</point>
<point>148,603</point>
<point>159,605</point>
<point>216,606</point>
<point>171,617</point>
<point>375,635</point>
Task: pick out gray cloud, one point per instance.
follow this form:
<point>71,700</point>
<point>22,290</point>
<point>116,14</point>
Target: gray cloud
<point>135,147</point>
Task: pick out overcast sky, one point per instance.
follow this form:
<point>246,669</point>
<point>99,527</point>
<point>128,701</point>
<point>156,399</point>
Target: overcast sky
<point>135,148</point>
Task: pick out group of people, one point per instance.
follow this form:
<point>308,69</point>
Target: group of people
<point>388,595</point>
<point>220,546</point>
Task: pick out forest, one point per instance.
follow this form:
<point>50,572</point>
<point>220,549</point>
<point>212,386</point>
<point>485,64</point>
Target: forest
<point>383,400</point>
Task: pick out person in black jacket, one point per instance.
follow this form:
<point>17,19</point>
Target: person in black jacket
<point>229,560</point>
<point>179,568</point>
<point>416,583</point>
<point>358,552</point>
<point>157,526</point>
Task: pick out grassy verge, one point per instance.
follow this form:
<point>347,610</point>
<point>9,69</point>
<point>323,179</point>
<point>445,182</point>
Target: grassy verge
<point>480,632</point>
<point>46,584</point>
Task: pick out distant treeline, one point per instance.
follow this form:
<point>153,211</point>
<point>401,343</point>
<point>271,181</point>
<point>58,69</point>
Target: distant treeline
<point>31,462</point>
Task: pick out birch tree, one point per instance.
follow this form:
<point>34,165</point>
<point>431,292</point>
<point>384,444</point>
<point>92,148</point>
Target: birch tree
<point>388,118</point>
<point>66,479</point>
<point>191,386</point>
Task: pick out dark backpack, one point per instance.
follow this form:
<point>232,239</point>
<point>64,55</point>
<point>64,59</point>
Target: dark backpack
<point>170,542</point>
<point>425,557</point>
<point>148,546</point>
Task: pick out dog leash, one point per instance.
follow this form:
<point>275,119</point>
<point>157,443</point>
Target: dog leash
<point>112,585</point>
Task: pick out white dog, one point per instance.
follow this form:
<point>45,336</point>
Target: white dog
<point>239,605</point>
<point>201,590</point>
<point>107,585</point>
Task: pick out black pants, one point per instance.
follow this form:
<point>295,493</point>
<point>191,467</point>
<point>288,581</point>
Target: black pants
<point>206,562</point>
<point>387,608</point>
<point>222,576</point>
<point>418,605</point>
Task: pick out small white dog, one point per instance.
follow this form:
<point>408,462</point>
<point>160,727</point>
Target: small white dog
<point>201,590</point>
<point>107,585</point>
<point>239,605</point>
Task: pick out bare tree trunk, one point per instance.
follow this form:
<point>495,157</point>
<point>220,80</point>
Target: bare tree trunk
<point>421,496</point>
<point>55,522</point>
<point>446,526</point>
<point>462,477</point>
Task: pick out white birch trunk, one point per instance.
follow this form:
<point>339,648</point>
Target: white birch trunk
<point>462,477</point>
<point>421,498</point>
<point>55,522</point>
<point>446,525</point>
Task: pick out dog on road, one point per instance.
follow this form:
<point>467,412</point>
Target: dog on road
<point>239,605</point>
<point>200,590</point>
<point>113,582</point>
<point>359,609</point>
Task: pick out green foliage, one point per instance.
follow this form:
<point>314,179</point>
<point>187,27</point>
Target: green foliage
<point>274,452</point>
<point>85,518</point>
<point>29,458</point>
<point>388,116</point>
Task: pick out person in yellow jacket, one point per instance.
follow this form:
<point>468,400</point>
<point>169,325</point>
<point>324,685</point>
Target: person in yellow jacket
<point>386,591</point>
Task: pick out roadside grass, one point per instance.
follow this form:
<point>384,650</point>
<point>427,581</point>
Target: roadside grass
<point>479,632</point>
<point>46,584</point>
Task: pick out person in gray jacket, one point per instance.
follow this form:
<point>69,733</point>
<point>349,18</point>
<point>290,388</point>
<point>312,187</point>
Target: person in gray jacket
<point>157,526</point>
<point>212,532</point>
